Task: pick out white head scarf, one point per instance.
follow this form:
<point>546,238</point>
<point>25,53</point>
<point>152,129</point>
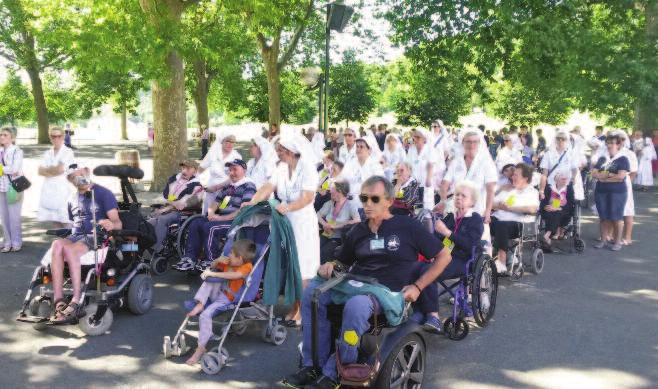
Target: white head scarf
<point>370,139</point>
<point>265,147</point>
<point>298,144</point>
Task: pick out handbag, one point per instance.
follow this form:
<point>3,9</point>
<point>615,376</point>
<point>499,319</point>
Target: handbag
<point>20,183</point>
<point>359,374</point>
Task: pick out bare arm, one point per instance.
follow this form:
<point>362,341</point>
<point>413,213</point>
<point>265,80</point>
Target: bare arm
<point>227,275</point>
<point>262,194</point>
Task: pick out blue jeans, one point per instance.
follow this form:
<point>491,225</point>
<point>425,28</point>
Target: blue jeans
<point>356,314</point>
<point>203,232</point>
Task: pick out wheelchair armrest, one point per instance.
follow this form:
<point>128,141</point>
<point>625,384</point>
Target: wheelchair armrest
<point>125,233</point>
<point>327,285</point>
<point>59,232</point>
<point>157,206</point>
<point>364,279</point>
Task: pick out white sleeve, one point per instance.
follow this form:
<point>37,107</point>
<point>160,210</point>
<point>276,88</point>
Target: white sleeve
<point>274,178</point>
<point>450,172</point>
<point>310,178</point>
<point>490,173</point>
<point>544,162</point>
<point>16,163</point>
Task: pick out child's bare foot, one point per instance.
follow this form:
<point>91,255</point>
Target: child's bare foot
<point>198,353</point>
<point>196,310</point>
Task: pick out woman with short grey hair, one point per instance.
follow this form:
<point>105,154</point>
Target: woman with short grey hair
<point>11,202</point>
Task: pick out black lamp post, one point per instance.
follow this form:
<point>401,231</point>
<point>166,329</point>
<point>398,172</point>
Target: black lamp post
<point>338,15</point>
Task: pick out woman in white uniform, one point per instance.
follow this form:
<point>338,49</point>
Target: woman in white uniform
<point>360,169</point>
<point>215,161</point>
<point>393,154</point>
<point>295,181</point>
<point>261,167</point>
<point>56,188</point>
<point>424,163</point>
<point>645,154</point>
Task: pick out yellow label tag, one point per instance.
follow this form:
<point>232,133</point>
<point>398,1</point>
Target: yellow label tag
<point>400,194</point>
<point>448,244</point>
<point>325,185</point>
<point>331,222</point>
<point>510,200</point>
<point>351,338</point>
<point>225,202</point>
<point>323,174</point>
<point>2,170</point>
<point>555,203</point>
<point>171,198</point>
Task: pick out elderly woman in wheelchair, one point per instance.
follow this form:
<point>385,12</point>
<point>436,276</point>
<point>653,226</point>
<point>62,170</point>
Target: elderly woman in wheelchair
<point>381,255</point>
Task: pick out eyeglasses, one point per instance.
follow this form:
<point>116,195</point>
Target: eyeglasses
<point>364,198</point>
<point>55,136</point>
<point>361,147</point>
<point>434,126</point>
<point>348,134</point>
<point>561,139</point>
<point>470,142</point>
<point>507,140</point>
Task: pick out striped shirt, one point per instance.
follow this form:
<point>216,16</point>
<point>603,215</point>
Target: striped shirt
<point>230,198</point>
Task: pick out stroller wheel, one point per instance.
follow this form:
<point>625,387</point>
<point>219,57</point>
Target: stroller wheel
<point>537,264</point>
<point>166,347</point>
<point>279,334</point>
<point>40,307</point>
<point>159,265</point>
<point>455,330</point>
<point>212,362</point>
<point>579,245</point>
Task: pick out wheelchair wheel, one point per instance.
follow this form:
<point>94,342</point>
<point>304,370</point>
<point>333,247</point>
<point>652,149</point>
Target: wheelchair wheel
<point>212,362</point>
<point>140,294</point>
<point>515,266</point>
<point>181,238</point>
<point>455,330</point>
<point>579,245</point>
<point>101,326</point>
<point>159,265</point>
<point>484,291</point>
<point>275,334</point>
<point>537,264</point>
<point>41,307</point>
<point>405,365</point>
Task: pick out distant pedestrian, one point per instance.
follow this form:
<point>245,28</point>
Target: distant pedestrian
<point>205,136</point>
<point>68,133</point>
<point>56,189</point>
<point>150,134</point>
<point>11,202</point>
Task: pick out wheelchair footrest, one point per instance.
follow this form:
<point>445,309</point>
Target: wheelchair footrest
<point>31,319</point>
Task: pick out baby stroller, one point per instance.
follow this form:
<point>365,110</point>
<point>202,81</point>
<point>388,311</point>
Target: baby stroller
<point>114,272</point>
<point>248,307</point>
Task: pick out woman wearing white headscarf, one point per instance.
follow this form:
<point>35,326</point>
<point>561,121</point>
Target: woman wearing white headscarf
<point>295,181</point>
<point>317,141</point>
<point>645,154</point>
<point>629,209</point>
<point>261,167</point>
<point>558,156</point>
<point>215,161</point>
<point>393,154</point>
<point>361,168</point>
<point>424,163</point>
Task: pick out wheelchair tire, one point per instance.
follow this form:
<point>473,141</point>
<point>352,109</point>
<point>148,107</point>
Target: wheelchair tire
<point>579,245</point>
<point>412,350</point>
<point>41,307</point>
<point>159,265</point>
<point>140,294</point>
<point>537,264</point>
<point>181,238</point>
<point>95,329</point>
<point>455,330</point>
<point>485,283</point>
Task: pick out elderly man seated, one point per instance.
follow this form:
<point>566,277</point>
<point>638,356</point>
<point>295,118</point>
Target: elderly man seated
<point>69,250</point>
<point>384,246</point>
<point>181,192</point>
<point>208,232</point>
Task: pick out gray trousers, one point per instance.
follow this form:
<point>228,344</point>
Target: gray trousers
<point>161,224</point>
<point>10,216</point>
<point>214,292</point>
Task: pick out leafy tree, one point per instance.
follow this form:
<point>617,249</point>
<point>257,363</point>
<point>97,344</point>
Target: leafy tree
<point>15,101</point>
<point>33,36</point>
<point>352,93</point>
<point>426,94</point>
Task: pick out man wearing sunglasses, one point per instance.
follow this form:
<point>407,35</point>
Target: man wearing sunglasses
<point>385,247</point>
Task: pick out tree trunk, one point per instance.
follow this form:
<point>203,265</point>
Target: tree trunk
<point>646,108</point>
<point>169,121</point>
<point>124,122</point>
<point>270,56</point>
<point>39,105</point>
<point>168,95</point>
<point>201,91</point>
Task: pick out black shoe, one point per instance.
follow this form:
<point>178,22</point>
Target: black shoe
<point>303,377</point>
<point>323,382</point>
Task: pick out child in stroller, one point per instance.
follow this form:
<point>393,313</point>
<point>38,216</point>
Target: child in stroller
<point>219,289</point>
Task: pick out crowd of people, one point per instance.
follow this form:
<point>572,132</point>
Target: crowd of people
<point>351,198</point>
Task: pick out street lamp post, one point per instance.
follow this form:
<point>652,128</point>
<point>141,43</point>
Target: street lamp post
<point>338,15</point>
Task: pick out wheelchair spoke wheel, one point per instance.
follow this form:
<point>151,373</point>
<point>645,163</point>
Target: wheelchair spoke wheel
<point>159,265</point>
<point>484,291</point>
<point>537,264</point>
<point>579,245</point>
<point>455,330</point>
<point>183,231</point>
<point>405,366</point>
<point>140,294</point>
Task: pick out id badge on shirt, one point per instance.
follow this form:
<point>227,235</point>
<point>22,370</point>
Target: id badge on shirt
<point>449,244</point>
<point>376,244</point>
<point>510,200</point>
<point>171,198</point>
<point>556,203</point>
<point>225,202</point>
<point>400,194</point>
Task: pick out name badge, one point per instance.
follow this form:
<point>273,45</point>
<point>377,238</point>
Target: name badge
<point>171,198</point>
<point>449,244</point>
<point>400,194</point>
<point>376,244</point>
<point>325,185</point>
<point>556,203</point>
<point>225,202</point>
<point>510,200</point>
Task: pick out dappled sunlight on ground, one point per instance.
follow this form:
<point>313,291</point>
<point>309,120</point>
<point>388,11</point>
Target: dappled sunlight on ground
<point>562,378</point>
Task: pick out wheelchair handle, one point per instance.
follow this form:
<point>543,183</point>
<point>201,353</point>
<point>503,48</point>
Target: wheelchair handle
<point>60,232</point>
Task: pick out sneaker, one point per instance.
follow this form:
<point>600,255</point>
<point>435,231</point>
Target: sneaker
<point>616,247</point>
<point>300,379</point>
<point>202,265</point>
<point>500,268</point>
<point>185,264</point>
<point>323,382</point>
<point>599,245</point>
<point>432,324</point>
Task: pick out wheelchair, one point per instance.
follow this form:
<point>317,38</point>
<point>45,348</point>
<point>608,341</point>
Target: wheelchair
<point>480,280</point>
<point>571,231</point>
<point>396,355</point>
<point>174,243</point>
<point>114,272</point>
<point>529,236</point>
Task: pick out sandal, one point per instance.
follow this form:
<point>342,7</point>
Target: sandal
<point>67,315</point>
<point>60,305</point>
<point>5,250</point>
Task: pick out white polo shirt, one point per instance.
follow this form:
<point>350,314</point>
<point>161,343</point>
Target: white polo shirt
<point>551,158</point>
<point>482,172</point>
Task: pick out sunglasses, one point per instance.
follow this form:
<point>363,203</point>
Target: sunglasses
<point>364,199</point>
<point>562,139</point>
<point>55,136</point>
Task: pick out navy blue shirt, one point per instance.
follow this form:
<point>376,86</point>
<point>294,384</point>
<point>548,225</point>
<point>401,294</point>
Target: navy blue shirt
<point>79,207</point>
<point>390,255</point>
<point>613,167</point>
<point>230,198</point>
<point>465,237</point>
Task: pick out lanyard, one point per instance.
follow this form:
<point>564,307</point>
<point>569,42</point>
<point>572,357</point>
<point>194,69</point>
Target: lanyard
<point>458,222</point>
<point>439,140</point>
<point>177,187</point>
<point>336,210</point>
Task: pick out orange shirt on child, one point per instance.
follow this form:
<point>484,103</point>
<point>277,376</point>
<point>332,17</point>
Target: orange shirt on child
<point>235,285</point>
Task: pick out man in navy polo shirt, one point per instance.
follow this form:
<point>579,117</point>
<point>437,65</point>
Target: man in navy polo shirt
<point>210,231</point>
<point>385,247</point>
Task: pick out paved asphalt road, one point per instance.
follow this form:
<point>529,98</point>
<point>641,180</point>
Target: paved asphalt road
<point>588,321</point>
